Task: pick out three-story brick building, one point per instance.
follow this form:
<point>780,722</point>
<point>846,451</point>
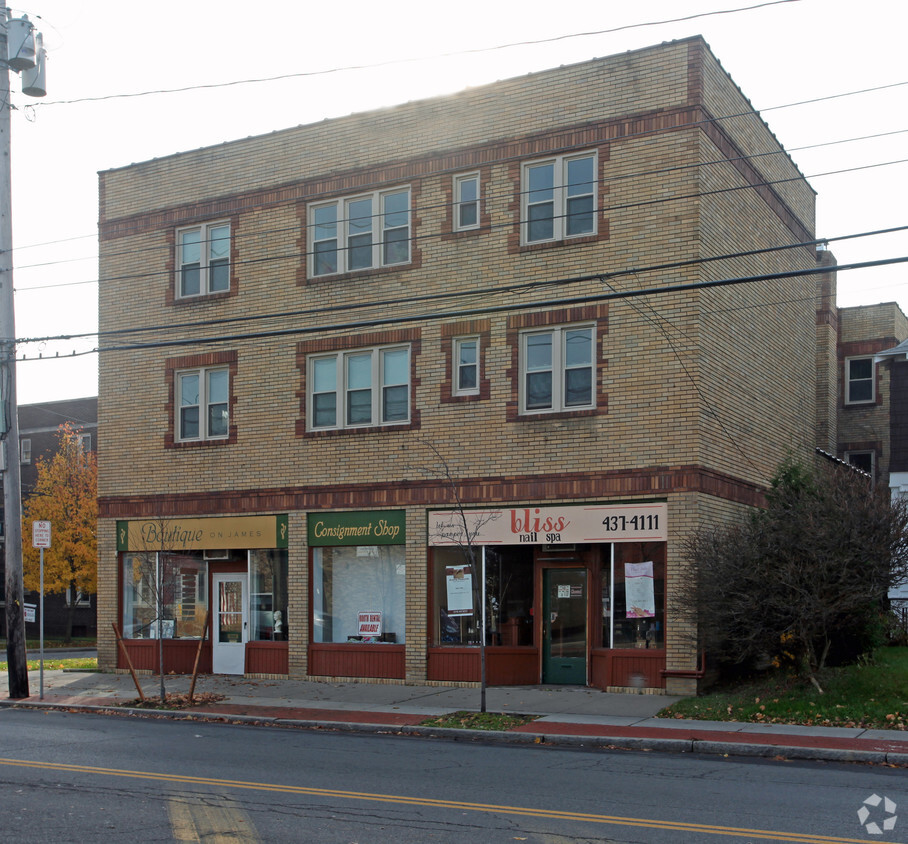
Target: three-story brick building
<point>347,347</point>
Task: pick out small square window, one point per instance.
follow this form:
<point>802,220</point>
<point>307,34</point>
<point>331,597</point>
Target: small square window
<point>863,460</point>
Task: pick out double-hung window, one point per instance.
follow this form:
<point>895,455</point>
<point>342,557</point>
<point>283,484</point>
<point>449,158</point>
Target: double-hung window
<point>466,366</point>
<point>359,233</point>
<point>466,202</point>
<point>365,387</point>
<point>860,384</point>
<point>559,198</point>
<point>203,399</point>
<point>203,260</point>
<point>556,369</point>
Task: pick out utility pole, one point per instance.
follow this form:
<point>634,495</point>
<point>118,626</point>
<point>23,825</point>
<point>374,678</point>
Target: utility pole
<point>23,57</point>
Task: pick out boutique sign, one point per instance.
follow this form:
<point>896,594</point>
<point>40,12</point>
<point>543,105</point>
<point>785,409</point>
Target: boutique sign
<point>208,534</point>
<point>550,525</point>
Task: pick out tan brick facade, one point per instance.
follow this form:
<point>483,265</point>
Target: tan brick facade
<point>699,393</point>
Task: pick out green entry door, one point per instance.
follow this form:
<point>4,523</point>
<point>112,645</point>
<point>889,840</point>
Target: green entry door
<point>564,626</point>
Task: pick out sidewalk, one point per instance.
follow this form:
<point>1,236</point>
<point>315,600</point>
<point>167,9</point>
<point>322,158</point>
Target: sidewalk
<point>568,715</point>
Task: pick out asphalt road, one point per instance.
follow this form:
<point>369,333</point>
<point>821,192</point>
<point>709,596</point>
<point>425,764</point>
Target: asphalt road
<point>85,778</point>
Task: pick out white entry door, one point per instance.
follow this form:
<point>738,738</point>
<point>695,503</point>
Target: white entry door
<point>231,627</point>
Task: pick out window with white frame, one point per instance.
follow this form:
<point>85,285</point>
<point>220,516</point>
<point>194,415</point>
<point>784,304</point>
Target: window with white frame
<point>860,384</point>
<point>203,400</point>
<point>466,202</point>
<point>203,260</point>
<point>85,442</point>
<point>360,232</point>
<point>365,387</point>
<point>863,460</point>
<point>25,450</point>
<point>466,366</point>
<point>559,198</point>
<point>556,369</point>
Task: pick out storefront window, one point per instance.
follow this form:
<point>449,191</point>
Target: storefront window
<point>359,594</point>
<point>166,593</point>
<point>509,597</point>
<point>633,596</point>
<point>268,595</point>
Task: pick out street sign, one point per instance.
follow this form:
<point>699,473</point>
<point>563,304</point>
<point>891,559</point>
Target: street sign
<point>40,534</point>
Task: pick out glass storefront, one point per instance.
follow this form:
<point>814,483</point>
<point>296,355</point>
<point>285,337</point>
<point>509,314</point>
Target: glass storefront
<point>359,594</point>
<point>633,596</point>
<point>457,610</point>
<point>167,594</point>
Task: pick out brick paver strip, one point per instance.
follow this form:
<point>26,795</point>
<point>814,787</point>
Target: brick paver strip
<point>771,739</point>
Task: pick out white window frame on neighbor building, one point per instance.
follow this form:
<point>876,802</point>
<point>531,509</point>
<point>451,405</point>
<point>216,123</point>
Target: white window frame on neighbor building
<point>547,351</point>
<point>25,450</point>
<point>864,381</point>
<point>359,388</point>
<point>862,453</point>
<point>554,204</point>
<point>466,202</point>
<point>85,442</point>
<point>213,241</point>
<point>81,600</point>
<point>465,361</point>
<point>210,400</point>
<point>359,232</point>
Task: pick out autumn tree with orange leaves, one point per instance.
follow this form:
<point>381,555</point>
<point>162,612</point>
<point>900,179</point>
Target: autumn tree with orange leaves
<point>66,495</point>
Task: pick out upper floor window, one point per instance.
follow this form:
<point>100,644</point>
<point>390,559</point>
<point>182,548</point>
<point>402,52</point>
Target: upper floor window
<point>203,260</point>
<point>466,202</point>
<point>202,404</point>
<point>361,232</point>
<point>85,442</point>
<point>559,198</point>
<point>360,388</point>
<point>466,366</point>
<point>556,369</point>
<point>860,384</point>
<point>25,450</point>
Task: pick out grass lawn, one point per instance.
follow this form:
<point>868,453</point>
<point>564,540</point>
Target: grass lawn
<point>56,664</point>
<point>479,721</point>
<point>872,694</point>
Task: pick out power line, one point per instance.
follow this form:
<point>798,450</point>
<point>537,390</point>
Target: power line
<point>422,208</point>
<point>486,309</point>
<point>395,62</point>
<point>510,288</point>
<point>423,237</point>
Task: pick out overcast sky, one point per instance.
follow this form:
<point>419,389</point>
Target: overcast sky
<point>780,54</point>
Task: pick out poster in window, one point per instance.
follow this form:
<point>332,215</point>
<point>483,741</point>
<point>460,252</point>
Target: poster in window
<point>639,595</point>
<point>459,580</point>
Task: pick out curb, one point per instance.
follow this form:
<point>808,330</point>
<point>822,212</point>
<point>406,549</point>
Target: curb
<point>659,745</point>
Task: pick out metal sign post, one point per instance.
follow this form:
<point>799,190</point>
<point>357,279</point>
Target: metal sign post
<point>41,539</point>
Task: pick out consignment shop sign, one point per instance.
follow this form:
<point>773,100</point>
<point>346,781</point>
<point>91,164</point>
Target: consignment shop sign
<point>550,525</point>
<point>210,534</point>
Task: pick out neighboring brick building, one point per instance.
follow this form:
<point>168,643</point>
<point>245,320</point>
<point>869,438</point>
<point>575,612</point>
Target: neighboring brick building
<point>873,419</point>
<point>39,437</point>
<point>335,333</point>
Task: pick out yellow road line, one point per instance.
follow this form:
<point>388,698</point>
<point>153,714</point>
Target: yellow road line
<point>551,814</point>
